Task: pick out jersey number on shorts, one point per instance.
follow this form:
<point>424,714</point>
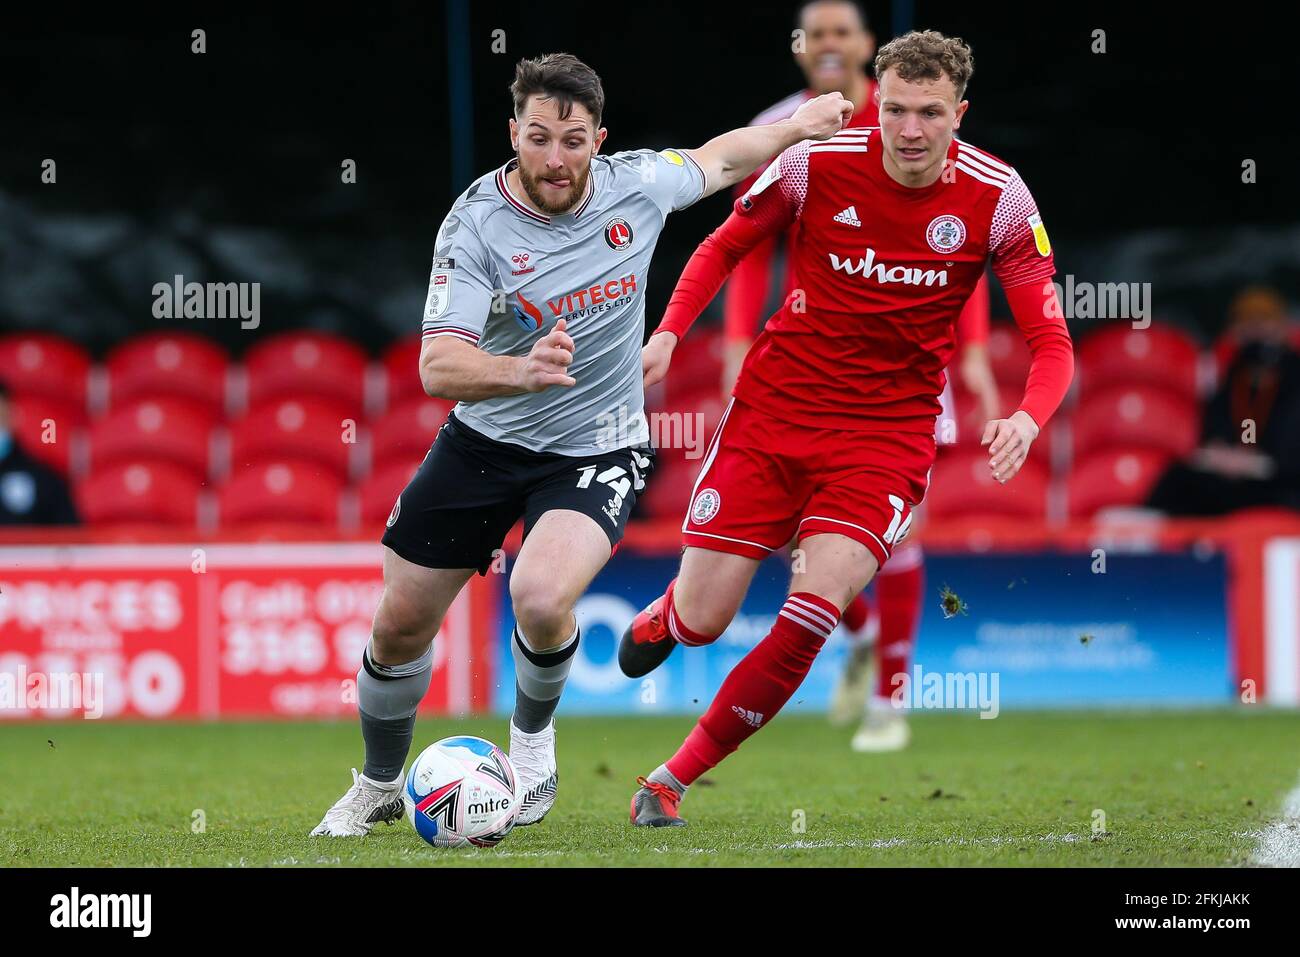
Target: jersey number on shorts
<point>619,484</point>
<point>898,527</point>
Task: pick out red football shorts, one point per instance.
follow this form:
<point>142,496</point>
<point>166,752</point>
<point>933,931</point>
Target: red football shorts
<point>765,480</point>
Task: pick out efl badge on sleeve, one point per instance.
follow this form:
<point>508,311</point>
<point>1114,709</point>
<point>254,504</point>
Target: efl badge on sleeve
<point>435,307</point>
<point>1040,235</point>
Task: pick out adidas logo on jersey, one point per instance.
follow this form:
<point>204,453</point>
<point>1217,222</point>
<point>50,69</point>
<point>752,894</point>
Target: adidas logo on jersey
<point>751,718</point>
<point>849,217</point>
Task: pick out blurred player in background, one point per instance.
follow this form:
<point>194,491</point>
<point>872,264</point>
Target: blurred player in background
<point>836,50</point>
<point>533,322</point>
<point>830,433</point>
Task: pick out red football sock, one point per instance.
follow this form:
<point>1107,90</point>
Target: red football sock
<point>855,616</point>
<point>759,685</point>
<point>898,596</point>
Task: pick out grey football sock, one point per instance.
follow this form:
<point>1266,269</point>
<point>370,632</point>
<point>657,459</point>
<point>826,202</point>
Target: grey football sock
<point>661,775</point>
<point>387,698</point>
<point>539,680</point>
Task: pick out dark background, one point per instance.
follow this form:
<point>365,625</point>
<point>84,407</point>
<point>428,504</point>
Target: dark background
<point>225,166</point>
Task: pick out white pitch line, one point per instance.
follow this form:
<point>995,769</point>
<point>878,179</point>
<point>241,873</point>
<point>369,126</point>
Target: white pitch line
<point>1279,843</point>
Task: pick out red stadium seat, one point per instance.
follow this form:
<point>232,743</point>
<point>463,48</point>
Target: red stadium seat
<point>1135,417</point>
<point>1008,355</point>
<point>281,490</point>
<point>140,491</point>
<point>307,428</point>
<point>1159,355</point>
<point>168,429</point>
<point>401,364</point>
<point>970,414</point>
<point>41,364</point>
<point>378,493</point>
<point>669,491</point>
<point>407,430</point>
<point>166,364</point>
<point>686,425</point>
<point>961,485</point>
<point>46,427</point>
<point>1116,477</point>
<point>306,363</point>
<point>697,364</point>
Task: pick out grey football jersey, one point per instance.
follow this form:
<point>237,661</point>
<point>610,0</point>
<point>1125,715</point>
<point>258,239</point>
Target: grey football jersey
<point>503,275</point>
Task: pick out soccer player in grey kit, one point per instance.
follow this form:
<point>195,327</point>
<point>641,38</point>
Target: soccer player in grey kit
<point>533,323</point>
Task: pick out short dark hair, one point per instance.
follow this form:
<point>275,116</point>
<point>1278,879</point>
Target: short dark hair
<point>561,77</point>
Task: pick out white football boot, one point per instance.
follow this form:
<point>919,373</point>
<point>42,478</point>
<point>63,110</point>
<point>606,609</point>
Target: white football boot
<point>364,805</point>
<point>854,684</point>
<point>533,756</point>
<point>884,728</point>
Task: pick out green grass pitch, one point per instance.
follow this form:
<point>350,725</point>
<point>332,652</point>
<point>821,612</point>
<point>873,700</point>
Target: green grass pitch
<point>1185,788</point>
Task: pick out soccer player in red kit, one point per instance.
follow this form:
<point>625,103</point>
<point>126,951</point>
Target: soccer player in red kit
<point>834,56</point>
<point>829,436</point>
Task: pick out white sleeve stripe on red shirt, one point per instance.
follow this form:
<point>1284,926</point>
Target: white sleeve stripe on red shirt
<point>979,175</point>
<point>985,158</point>
<point>976,163</point>
<point>836,148</point>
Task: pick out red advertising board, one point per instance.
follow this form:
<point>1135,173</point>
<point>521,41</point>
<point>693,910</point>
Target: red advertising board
<point>164,631</point>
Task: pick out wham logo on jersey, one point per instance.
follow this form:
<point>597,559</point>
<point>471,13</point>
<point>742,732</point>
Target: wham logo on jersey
<point>908,275</point>
<point>849,217</point>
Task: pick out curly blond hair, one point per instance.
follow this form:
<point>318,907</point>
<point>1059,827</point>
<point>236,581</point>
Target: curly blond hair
<point>927,55</point>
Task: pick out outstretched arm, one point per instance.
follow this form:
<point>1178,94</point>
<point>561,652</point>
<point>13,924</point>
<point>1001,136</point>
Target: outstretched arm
<point>730,158</point>
<point>767,210</point>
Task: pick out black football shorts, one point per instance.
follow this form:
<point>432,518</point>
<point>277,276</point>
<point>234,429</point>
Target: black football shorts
<point>470,490</point>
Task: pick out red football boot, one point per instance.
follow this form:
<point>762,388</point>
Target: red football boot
<point>655,805</point>
<point>647,644</point>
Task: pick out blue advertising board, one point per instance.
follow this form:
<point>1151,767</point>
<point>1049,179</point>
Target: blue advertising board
<point>1150,630</point>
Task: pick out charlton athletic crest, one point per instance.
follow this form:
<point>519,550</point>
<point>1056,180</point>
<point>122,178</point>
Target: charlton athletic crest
<point>706,506</point>
<point>618,234</point>
<point>945,234</point>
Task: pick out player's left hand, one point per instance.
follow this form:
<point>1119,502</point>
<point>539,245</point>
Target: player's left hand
<point>1008,441</point>
<point>655,357</point>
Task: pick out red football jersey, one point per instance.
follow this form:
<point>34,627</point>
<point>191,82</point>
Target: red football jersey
<point>882,271</point>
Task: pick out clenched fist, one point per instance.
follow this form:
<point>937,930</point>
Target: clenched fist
<point>548,361</point>
<point>823,116</point>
